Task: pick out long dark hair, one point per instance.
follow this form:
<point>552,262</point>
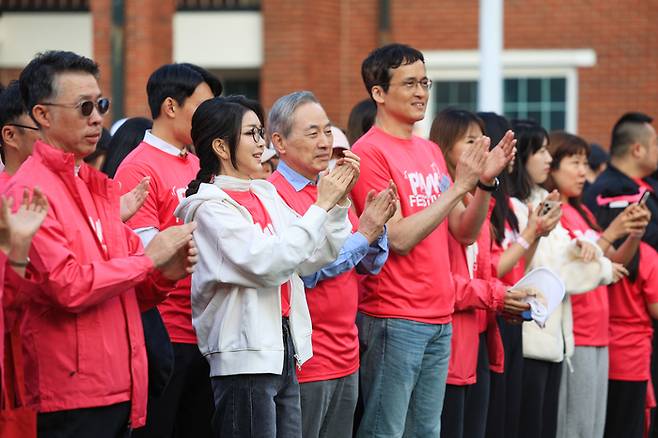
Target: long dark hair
<point>495,127</point>
<point>530,138</point>
<point>218,118</point>
<point>125,139</point>
<point>563,145</point>
<point>448,127</point>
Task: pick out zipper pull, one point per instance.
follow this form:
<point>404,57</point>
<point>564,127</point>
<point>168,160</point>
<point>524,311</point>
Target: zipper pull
<point>298,362</point>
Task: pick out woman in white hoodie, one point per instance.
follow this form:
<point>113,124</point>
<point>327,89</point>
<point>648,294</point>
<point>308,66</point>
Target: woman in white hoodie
<point>580,264</point>
<point>248,304</point>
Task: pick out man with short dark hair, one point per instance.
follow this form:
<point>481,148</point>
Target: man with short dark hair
<point>633,158</point>
<point>405,311</point>
<point>18,131</point>
<point>85,367</point>
<point>174,92</point>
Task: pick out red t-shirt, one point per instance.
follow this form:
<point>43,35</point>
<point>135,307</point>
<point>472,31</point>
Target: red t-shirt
<point>591,309</point>
<point>261,217</point>
<point>332,304</point>
<point>4,179</point>
<point>630,324</point>
<point>170,175</point>
<point>419,285</point>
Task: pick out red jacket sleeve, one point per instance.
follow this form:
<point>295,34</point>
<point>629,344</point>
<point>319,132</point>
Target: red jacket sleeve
<point>75,286</point>
<point>478,294</point>
<point>156,287</point>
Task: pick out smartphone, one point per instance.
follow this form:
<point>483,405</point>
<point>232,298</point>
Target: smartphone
<point>645,197</point>
<point>546,206</point>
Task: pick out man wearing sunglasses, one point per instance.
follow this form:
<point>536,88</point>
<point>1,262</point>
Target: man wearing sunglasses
<point>18,132</point>
<point>174,92</point>
<point>85,361</point>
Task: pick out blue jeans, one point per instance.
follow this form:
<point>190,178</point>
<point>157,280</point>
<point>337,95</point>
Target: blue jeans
<point>404,365</point>
<point>260,405</point>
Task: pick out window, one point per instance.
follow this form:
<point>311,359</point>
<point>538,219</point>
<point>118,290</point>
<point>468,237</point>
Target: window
<point>541,99</point>
<point>540,84</point>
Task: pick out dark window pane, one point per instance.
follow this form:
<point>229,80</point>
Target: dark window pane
<point>247,87</point>
<point>535,115</point>
<point>465,93</point>
<point>443,92</point>
<point>558,120</point>
<point>534,90</point>
<point>511,90</point>
<point>511,115</point>
<point>558,90</point>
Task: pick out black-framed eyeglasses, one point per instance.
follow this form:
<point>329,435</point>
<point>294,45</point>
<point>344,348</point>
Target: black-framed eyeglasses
<point>257,134</point>
<point>18,125</point>
<point>86,106</point>
<point>411,84</point>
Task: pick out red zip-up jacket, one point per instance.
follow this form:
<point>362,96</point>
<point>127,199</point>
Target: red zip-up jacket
<point>487,293</point>
<point>81,329</point>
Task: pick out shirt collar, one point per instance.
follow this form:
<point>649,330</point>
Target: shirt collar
<point>295,179</point>
<point>159,143</point>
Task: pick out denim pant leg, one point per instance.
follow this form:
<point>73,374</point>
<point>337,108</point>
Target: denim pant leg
<point>259,405</point>
<point>391,363</point>
<point>287,400</point>
<point>424,415</point>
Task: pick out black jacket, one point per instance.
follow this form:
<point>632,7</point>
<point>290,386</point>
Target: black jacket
<point>612,183</point>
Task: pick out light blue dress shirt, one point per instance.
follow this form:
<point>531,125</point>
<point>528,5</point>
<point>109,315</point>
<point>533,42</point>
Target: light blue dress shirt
<point>355,253</point>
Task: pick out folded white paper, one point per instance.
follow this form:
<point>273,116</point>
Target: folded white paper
<point>548,290</point>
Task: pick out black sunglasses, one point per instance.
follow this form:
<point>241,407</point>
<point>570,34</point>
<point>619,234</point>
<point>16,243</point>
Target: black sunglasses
<point>86,106</point>
<point>18,125</point>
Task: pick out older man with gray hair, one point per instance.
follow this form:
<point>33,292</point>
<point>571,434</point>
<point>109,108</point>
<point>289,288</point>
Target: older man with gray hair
<point>302,134</point>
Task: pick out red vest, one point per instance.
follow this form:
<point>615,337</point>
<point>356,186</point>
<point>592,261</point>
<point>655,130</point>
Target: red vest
<point>332,304</point>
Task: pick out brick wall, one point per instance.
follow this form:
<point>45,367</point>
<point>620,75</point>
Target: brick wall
<point>148,44</point>
<point>318,46</point>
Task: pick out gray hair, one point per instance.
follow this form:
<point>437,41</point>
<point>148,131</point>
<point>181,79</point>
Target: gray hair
<point>280,118</point>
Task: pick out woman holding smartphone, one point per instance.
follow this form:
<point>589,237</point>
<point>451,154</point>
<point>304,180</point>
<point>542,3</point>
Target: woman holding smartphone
<point>584,388</point>
<point>248,304</point>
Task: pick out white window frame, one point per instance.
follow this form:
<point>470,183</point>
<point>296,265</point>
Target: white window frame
<point>463,65</point>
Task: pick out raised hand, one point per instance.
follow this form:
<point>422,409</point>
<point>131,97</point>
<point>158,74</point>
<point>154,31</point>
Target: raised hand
<point>332,188</point>
<point>470,166</point>
<point>350,159</point>
<point>499,157</point>
<point>17,229</point>
<point>377,211</point>
<point>134,199</point>
<point>173,251</point>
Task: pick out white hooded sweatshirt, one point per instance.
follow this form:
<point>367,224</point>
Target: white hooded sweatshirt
<point>236,293</point>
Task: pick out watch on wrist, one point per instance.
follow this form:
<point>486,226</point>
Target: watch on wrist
<point>491,188</point>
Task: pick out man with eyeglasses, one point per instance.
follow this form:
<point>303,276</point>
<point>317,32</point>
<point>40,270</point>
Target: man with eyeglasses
<point>17,131</point>
<point>405,311</point>
<point>85,361</point>
<point>329,381</point>
<point>174,92</point>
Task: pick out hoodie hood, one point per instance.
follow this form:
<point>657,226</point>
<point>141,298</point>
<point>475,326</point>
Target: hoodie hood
<point>215,192</point>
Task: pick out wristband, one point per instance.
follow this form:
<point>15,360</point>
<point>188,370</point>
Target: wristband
<point>523,243</point>
<point>16,264</point>
<point>490,188</point>
<point>605,239</point>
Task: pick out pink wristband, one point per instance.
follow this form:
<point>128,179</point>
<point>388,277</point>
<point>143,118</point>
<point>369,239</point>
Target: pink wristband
<point>524,243</point>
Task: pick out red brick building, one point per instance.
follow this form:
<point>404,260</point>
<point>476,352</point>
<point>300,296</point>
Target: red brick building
<point>574,65</point>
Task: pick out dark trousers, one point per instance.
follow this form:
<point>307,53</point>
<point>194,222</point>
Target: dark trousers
<point>539,398</point>
<point>625,413</point>
<point>505,392</point>
<point>259,405</point>
<point>465,407</point>
<point>102,422</point>
<point>185,408</point>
